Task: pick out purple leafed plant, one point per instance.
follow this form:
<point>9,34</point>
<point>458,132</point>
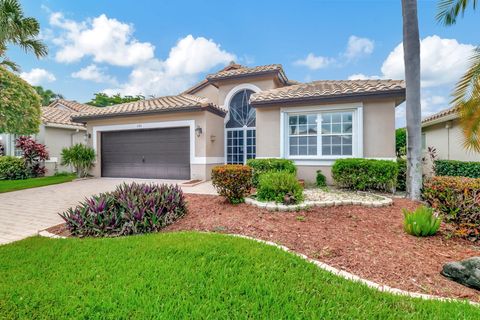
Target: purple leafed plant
<point>130,209</point>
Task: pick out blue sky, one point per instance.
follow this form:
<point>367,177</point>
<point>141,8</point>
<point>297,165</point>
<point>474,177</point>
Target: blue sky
<point>163,47</point>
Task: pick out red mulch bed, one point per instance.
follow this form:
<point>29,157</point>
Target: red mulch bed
<point>368,242</point>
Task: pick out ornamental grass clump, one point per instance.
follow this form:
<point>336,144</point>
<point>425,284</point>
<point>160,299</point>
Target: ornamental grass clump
<point>232,181</point>
<point>422,222</point>
<point>130,209</point>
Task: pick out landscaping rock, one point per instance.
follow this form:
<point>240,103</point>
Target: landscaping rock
<point>466,272</point>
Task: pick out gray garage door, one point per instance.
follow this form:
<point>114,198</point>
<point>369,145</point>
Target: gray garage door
<point>151,153</point>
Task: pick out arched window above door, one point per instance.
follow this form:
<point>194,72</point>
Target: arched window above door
<point>241,113</point>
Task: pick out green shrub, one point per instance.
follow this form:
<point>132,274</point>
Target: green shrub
<point>365,174</point>
<point>402,174</point>
<point>457,168</point>
<point>321,179</point>
<point>421,223</point>
<point>80,156</point>
<point>401,142</point>
<point>232,181</point>
<point>261,166</point>
<point>455,197</point>
<point>130,209</point>
<point>12,168</point>
<point>280,187</point>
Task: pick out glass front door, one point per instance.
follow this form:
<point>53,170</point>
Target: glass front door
<point>241,145</point>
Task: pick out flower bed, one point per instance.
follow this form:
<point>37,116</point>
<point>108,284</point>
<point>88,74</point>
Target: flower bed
<point>323,198</point>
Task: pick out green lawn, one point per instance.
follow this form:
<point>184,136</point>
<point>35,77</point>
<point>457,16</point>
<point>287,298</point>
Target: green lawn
<point>187,276</point>
<point>13,185</point>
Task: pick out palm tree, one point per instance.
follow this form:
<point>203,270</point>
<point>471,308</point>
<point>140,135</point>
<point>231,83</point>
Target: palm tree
<point>16,29</point>
<point>47,96</point>
<point>411,48</point>
<point>466,96</point>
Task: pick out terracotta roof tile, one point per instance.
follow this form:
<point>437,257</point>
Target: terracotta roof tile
<point>183,102</point>
<point>328,89</point>
<point>247,71</point>
<point>440,114</point>
<point>72,105</point>
<point>52,115</point>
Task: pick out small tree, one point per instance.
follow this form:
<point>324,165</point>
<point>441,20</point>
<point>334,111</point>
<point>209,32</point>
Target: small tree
<point>80,157</point>
<point>34,154</point>
<point>19,105</point>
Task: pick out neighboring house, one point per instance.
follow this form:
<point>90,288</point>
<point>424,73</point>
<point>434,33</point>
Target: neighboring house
<point>443,132</point>
<point>57,131</point>
<point>240,113</point>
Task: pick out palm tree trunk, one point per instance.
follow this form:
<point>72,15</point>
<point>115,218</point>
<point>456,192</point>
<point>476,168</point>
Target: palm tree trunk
<point>411,49</point>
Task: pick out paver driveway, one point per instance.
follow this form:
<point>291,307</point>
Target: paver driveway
<point>24,213</point>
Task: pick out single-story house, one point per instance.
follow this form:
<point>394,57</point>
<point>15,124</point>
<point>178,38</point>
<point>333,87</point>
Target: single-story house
<point>442,131</point>
<point>57,131</point>
<point>241,113</point>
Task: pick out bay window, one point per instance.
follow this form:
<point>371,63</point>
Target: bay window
<point>328,134</point>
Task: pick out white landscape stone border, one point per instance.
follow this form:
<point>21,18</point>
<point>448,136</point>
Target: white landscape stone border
<point>272,206</point>
<point>355,278</point>
<point>343,274</point>
<point>46,234</point>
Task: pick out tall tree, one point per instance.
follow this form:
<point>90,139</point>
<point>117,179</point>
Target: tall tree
<point>466,96</point>
<point>16,29</point>
<point>411,49</point>
<point>47,96</point>
<point>102,99</point>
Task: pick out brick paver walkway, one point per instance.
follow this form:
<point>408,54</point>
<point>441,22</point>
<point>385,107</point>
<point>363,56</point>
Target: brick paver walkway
<point>24,213</point>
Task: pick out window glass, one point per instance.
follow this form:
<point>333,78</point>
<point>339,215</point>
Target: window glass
<point>334,139</point>
<point>241,112</point>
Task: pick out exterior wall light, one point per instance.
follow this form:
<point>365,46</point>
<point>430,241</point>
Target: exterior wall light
<point>212,138</point>
<point>198,131</point>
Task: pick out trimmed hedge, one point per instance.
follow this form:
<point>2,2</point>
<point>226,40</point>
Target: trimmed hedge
<point>456,168</point>
<point>282,187</point>
<point>130,209</point>
<point>232,181</point>
<point>261,166</point>
<point>12,168</point>
<point>457,198</point>
<point>365,174</point>
<point>402,175</point>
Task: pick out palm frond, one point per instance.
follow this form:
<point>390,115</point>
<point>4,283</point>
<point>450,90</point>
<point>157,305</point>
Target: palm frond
<point>469,112</point>
<point>465,88</point>
<point>35,46</point>
<point>10,64</point>
<point>449,10</point>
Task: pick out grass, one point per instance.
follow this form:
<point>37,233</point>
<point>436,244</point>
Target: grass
<point>14,185</point>
<point>187,275</point>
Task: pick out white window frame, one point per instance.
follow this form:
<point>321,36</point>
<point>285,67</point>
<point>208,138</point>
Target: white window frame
<point>357,130</point>
<point>226,106</point>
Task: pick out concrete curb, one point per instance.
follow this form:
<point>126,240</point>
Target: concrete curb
<point>272,206</point>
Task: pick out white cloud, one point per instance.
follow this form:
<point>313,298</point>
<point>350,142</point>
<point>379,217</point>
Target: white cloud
<point>106,40</point>
<point>94,73</point>
<point>186,60</point>
<point>361,76</point>
<point>314,62</point>
<point>443,61</point>
<point>37,76</point>
<point>358,47</point>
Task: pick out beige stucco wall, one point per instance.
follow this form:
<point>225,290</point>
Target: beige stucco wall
<point>56,139</point>
<point>204,147</point>
<point>210,92</point>
<point>447,142</point>
<point>378,134</point>
<point>263,83</point>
